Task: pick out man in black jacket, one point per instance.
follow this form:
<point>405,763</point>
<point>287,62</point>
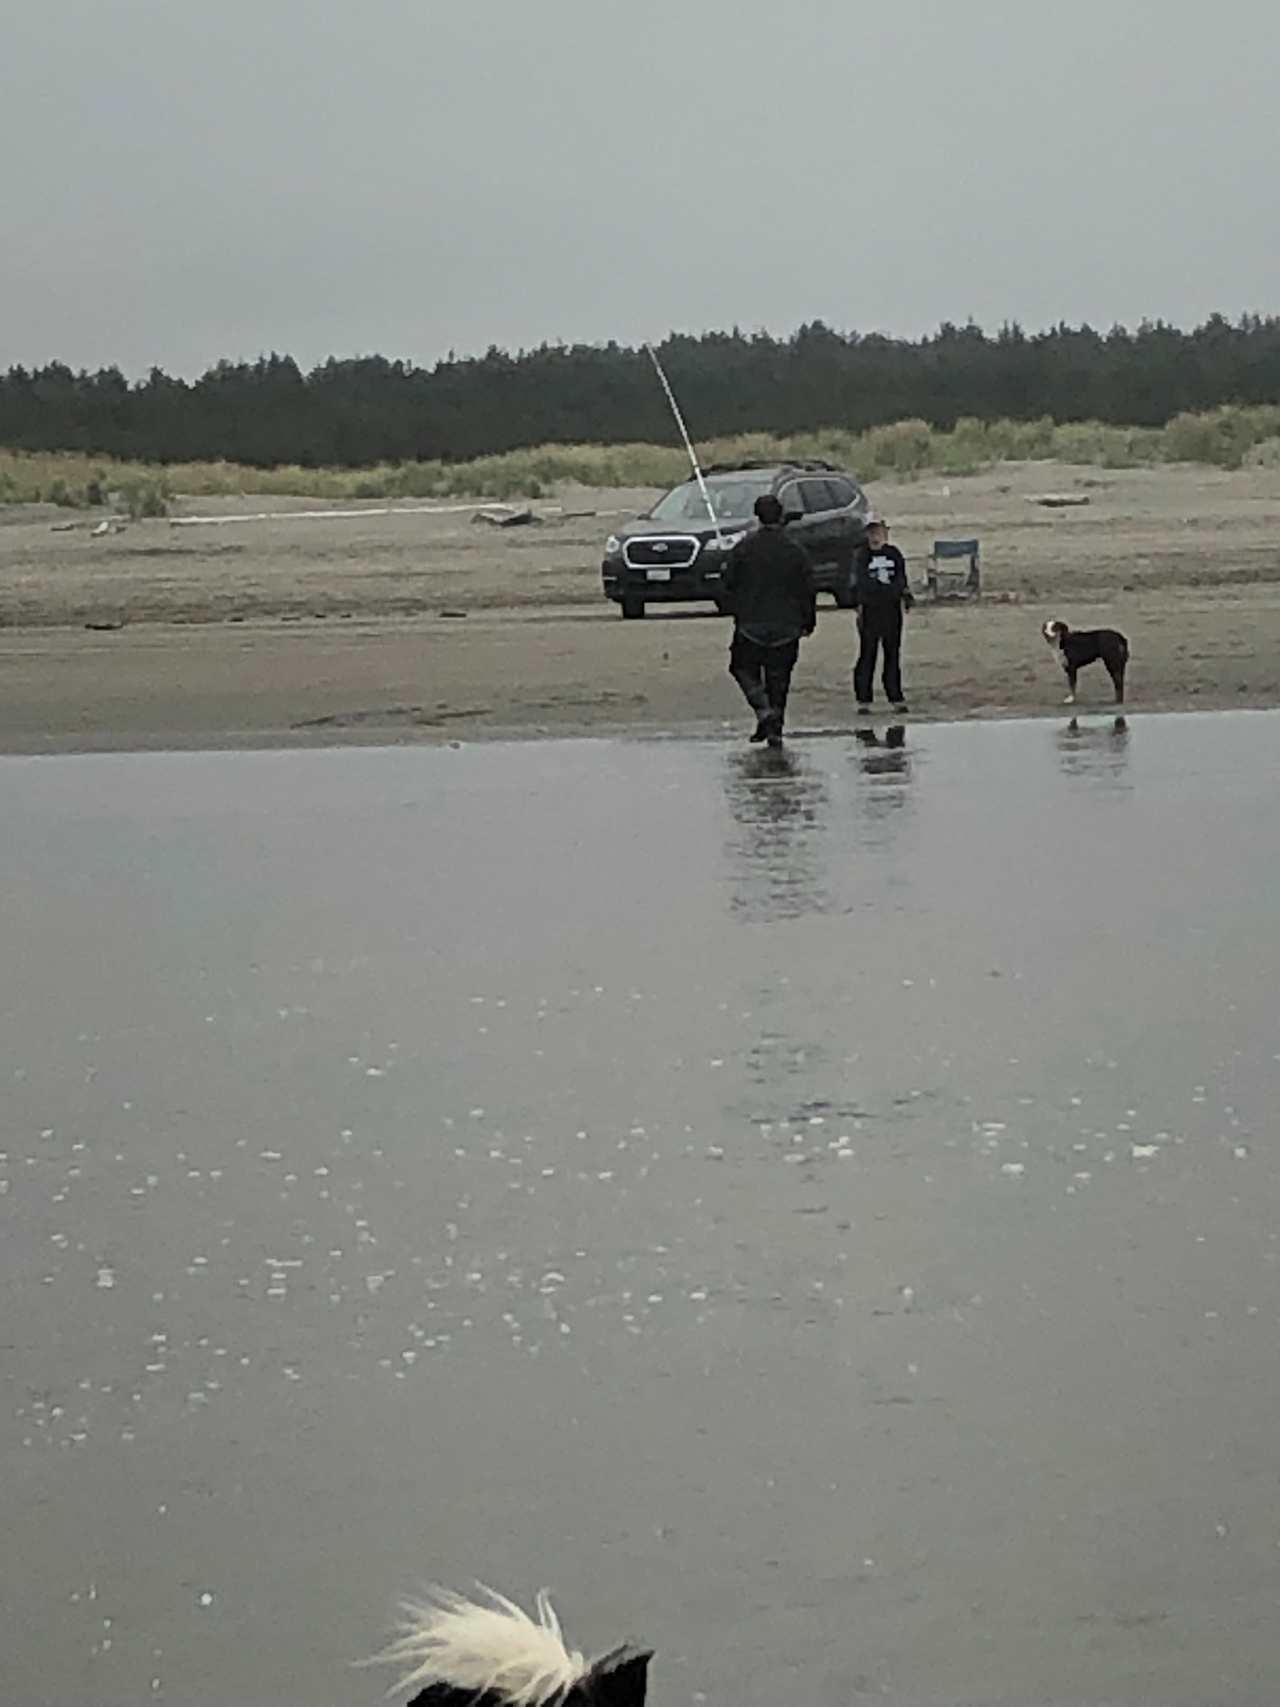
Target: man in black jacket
<point>768,585</point>
<point>881,594</point>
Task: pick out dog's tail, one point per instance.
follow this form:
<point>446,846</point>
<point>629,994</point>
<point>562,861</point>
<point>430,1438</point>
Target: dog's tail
<point>462,1652</point>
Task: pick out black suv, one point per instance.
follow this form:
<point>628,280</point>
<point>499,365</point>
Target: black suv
<point>676,552</point>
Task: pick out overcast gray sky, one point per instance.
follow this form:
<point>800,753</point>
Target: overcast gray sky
<point>189,181</point>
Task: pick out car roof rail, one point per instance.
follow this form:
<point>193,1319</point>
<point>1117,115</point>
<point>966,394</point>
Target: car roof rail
<point>804,464</point>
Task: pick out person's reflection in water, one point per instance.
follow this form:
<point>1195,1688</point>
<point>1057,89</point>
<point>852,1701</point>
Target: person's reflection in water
<point>779,806</point>
<point>886,762</point>
<point>1096,751</point>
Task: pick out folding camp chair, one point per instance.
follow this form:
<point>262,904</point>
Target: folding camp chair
<point>953,568</point>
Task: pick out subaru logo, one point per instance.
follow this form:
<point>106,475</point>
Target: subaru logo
<point>661,545</point>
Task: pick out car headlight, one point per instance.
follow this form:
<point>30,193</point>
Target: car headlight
<point>726,541</point>
<point>613,546</point>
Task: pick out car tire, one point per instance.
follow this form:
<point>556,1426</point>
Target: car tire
<point>632,609</point>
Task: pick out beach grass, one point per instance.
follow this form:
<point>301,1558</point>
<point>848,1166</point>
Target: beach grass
<point>1228,437</point>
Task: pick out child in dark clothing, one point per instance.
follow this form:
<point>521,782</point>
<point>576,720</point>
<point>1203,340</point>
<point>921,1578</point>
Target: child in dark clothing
<point>881,594</point>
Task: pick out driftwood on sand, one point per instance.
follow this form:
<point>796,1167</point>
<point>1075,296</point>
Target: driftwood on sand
<point>508,518</point>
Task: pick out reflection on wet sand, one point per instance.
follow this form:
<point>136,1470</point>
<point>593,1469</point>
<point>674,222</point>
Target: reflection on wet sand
<point>782,811</point>
<point>779,805</point>
<point>1099,751</point>
<point>843,1178</point>
<point>885,761</point>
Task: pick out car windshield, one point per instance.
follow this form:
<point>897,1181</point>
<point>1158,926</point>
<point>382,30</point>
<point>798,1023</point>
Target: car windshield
<point>731,497</point>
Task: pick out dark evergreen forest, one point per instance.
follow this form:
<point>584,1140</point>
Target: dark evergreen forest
<point>356,412</point>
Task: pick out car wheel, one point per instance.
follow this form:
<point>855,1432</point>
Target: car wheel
<point>632,608</point>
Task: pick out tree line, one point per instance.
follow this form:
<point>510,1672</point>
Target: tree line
<point>357,412</point>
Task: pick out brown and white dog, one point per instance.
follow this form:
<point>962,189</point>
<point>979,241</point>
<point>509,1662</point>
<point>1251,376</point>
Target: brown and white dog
<point>455,1652</point>
<point>1078,647</point>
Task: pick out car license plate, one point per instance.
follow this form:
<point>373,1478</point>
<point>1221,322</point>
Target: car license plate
<point>659,574</point>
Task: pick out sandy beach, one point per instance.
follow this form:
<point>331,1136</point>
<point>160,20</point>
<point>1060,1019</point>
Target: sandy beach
<point>377,626</point>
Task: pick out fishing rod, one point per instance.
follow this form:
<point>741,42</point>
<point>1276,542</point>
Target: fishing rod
<point>688,443</point>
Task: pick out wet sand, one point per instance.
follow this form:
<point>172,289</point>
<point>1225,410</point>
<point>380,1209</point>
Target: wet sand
<point>321,631</point>
<point>819,1214</point>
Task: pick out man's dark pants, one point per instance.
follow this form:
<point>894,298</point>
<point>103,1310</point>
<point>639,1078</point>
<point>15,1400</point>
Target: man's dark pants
<point>763,673</point>
<point>879,627</point>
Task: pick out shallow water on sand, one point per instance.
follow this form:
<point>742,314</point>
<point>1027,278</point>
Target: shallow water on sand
<point>818,1214</point>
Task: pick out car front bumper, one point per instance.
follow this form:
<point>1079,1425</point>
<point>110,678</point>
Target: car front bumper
<point>701,579</point>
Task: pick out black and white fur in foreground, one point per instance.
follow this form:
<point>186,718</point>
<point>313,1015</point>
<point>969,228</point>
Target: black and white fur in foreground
<point>1078,647</point>
<point>455,1652</point>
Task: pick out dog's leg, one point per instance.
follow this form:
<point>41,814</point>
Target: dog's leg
<point>1117,677</point>
<point>1066,670</point>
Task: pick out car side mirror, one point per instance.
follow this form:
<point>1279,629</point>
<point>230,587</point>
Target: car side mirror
<point>790,516</point>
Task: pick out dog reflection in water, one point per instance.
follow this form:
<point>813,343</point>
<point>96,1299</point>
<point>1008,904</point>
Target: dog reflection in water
<point>489,1652</point>
<point>1119,726</point>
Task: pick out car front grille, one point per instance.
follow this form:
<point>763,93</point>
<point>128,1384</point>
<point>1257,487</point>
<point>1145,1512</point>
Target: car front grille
<point>660,551</point>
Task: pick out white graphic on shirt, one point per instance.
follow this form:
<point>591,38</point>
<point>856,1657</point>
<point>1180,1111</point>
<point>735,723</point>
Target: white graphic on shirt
<point>882,569</point>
